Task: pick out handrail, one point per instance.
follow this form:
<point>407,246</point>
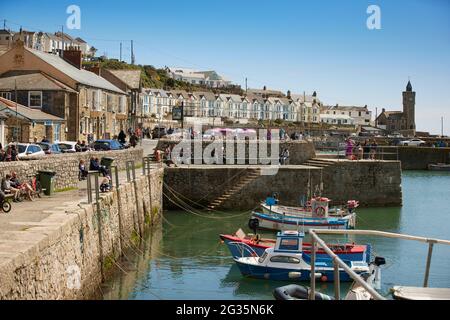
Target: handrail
<point>244,246</point>
<point>338,262</point>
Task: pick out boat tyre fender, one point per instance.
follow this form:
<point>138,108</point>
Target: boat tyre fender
<point>297,292</point>
<point>320,211</point>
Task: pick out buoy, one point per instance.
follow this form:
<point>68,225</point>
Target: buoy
<point>323,278</point>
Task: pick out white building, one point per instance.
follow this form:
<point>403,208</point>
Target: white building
<point>207,78</point>
<point>361,115</point>
<point>337,119</point>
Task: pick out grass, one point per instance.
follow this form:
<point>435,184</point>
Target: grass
<point>66,189</point>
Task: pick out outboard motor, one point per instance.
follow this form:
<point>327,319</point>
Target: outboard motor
<point>375,272</point>
<point>253,224</point>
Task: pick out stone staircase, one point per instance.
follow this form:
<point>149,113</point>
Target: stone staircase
<point>319,162</point>
<point>249,176</point>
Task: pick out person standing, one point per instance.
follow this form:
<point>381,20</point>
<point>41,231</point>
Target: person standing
<point>373,149</point>
<point>122,136</point>
<point>133,140</point>
<point>349,149</point>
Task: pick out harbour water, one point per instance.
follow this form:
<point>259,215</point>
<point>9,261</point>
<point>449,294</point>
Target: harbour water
<point>184,259</point>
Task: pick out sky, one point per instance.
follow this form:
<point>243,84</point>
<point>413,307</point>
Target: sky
<point>297,45</point>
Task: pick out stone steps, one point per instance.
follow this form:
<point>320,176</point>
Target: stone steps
<point>249,177</point>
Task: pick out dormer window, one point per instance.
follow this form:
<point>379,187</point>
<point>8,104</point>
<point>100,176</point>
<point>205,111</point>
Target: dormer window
<point>35,99</point>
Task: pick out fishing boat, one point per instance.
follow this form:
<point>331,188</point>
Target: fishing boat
<point>287,261</point>
<point>273,221</point>
<point>307,210</point>
<point>347,251</point>
<point>439,167</point>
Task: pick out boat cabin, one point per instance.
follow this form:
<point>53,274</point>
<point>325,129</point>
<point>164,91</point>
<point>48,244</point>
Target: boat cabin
<point>289,241</point>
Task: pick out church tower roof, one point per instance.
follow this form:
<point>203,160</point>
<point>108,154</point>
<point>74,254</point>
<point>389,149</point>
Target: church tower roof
<point>409,86</point>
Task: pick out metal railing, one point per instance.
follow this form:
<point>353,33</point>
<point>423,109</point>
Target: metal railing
<point>337,262</point>
<point>377,153</point>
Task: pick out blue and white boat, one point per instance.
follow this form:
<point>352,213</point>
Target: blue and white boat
<point>274,221</point>
<point>287,261</point>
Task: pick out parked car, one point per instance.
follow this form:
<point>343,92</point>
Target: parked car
<point>28,151</point>
<point>159,132</point>
<point>50,148</point>
<point>67,146</point>
<point>102,145</point>
<point>412,142</point>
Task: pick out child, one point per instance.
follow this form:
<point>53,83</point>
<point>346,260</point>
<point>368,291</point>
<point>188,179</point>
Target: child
<point>105,186</point>
<point>82,174</point>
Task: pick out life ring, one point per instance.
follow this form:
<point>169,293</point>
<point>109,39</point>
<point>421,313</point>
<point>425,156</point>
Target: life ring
<point>320,211</point>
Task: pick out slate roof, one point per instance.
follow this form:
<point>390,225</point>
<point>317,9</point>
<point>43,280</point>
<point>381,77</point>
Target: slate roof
<point>79,75</point>
<point>8,108</point>
<point>132,78</point>
<point>31,80</point>
<point>207,94</point>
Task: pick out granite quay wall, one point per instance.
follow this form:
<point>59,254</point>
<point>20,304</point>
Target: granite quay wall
<point>66,165</point>
<point>69,254</point>
<point>299,151</point>
<point>373,183</point>
<point>416,158</point>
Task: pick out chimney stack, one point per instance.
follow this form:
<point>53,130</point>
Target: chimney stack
<point>73,56</point>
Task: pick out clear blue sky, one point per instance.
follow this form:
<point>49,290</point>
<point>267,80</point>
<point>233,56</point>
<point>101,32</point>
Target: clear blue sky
<point>297,45</point>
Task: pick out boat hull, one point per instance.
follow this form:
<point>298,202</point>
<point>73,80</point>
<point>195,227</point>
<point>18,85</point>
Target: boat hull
<point>293,275</point>
<point>439,167</point>
<point>278,222</point>
<point>351,253</point>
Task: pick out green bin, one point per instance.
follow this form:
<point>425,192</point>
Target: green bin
<point>107,162</point>
<point>46,178</point>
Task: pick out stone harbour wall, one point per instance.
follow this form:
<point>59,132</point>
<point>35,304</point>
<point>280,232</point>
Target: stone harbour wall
<point>416,158</point>
<point>372,183</point>
<point>68,254</point>
<point>299,151</point>
<point>66,165</point>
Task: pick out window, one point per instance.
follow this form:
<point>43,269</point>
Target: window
<point>6,95</point>
<point>284,259</point>
<point>122,104</point>
<point>35,99</point>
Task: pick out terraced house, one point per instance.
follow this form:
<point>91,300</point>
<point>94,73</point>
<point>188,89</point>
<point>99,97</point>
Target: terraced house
<point>91,106</point>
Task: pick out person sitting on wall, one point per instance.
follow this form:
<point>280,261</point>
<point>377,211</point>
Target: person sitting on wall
<point>7,188</point>
<point>24,187</point>
<point>94,165</point>
<point>106,186</point>
<point>82,171</point>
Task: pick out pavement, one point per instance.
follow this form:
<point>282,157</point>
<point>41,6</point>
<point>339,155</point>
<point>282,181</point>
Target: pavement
<point>29,214</point>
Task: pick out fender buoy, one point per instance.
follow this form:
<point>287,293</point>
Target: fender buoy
<point>320,211</point>
<point>323,278</point>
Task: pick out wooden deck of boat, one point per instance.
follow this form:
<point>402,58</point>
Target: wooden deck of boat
<point>419,293</point>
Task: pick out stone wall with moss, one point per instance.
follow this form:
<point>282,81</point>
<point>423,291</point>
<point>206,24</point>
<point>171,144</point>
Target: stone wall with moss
<point>69,253</point>
<point>66,165</point>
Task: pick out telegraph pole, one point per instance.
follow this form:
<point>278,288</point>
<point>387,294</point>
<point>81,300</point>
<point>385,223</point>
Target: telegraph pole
<point>132,53</point>
<point>120,51</point>
<point>62,38</point>
<point>442,127</point>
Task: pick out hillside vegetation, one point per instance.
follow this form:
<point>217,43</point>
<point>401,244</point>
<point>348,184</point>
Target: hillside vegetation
<point>152,77</point>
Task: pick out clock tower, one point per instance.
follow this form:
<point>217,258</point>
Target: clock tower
<point>409,103</point>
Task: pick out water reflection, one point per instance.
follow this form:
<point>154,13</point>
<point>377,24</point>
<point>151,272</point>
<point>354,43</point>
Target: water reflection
<point>183,258</point>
